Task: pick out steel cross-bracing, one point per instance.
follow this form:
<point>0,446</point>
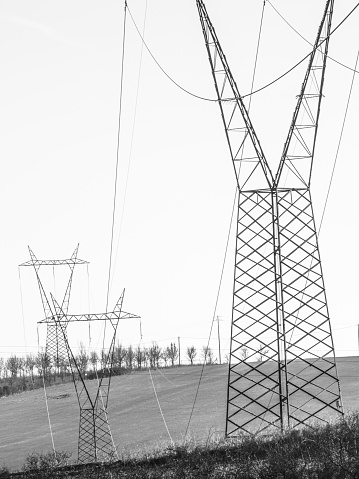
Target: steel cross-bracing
<point>55,348</point>
<point>282,370</point>
<point>95,438</point>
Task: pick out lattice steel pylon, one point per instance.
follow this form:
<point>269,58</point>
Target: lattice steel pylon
<point>282,369</point>
<point>55,348</point>
<point>95,438</point>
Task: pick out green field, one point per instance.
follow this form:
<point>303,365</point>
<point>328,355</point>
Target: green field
<point>134,415</point>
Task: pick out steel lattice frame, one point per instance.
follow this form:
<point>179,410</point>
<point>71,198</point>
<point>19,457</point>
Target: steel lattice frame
<point>95,439</point>
<point>282,368</point>
<point>55,348</point>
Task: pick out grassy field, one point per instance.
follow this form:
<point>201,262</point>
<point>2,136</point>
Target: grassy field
<point>134,415</point>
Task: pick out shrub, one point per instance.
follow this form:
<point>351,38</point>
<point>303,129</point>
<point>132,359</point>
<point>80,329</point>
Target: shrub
<point>46,462</point>
<point>4,472</point>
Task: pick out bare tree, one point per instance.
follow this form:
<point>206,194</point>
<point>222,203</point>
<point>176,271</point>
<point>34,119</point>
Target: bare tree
<point>21,366</point>
<point>140,357</point>
<point>146,358</point>
<point>43,365</point>
<point>164,356</point>
<point>130,356</point>
<point>64,366</point>
<point>120,355</point>
<point>172,353</point>
<point>191,353</point>
<point>244,353</point>
<point>30,365</point>
<point>82,358</point>
<point>154,355</point>
<point>12,364</point>
<point>103,358</point>
<point>207,355</point>
<point>262,352</point>
<point>94,360</point>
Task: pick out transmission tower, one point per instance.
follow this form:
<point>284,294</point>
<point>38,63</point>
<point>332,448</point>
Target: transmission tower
<point>95,439</point>
<point>282,370</point>
<point>55,347</point>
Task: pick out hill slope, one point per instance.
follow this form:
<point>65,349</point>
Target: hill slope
<point>134,415</point>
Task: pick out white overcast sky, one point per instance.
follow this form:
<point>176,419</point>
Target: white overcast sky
<point>59,97</point>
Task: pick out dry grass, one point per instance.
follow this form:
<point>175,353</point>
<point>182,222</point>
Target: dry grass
<point>135,420</point>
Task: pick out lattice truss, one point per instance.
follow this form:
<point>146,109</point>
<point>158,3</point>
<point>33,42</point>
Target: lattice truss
<point>282,362</point>
<point>55,348</point>
<point>95,439</point>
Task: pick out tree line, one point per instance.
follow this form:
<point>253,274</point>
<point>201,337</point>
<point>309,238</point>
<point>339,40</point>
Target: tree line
<point>21,373</point>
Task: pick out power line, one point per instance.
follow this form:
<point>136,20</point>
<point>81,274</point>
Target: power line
<point>339,144</point>
<point>307,41</point>
<point>44,386</point>
<point>132,139</point>
<point>252,92</point>
<point>117,152</point>
<point>304,58</point>
<point>214,313</point>
<point>159,406</point>
<point>162,69</point>
<point>256,57</point>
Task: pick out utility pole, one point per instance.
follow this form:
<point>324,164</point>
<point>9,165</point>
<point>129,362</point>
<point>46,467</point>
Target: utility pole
<point>179,351</point>
<point>219,339</point>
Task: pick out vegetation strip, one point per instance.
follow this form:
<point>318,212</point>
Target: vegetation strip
<point>19,374</point>
<point>320,452</point>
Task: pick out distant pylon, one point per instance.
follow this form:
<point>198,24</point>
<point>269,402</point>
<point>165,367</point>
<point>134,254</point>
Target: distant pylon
<point>282,369</point>
<point>55,348</point>
<point>95,439</point>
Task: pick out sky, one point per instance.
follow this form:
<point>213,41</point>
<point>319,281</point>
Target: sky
<point>59,117</point>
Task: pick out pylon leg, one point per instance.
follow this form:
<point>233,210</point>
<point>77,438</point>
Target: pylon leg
<point>95,440</point>
<point>254,398</point>
<point>313,386</point>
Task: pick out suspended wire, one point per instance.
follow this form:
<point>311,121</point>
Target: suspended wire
<point>22,310</point>
<point>214,313</point>
<point>88,304</point>
<point>339,143</point>
<point>54,279</point>
<point>132,138</point>
<point>168,380</point>
<point>162,69</point>
<point>253,78</point>
<point>159,406</point>
<point>104,410</point>
<point>256,58</point>
<point>252,92</point>
<point>117,152</point>
<point>46,402</point>
<point>88,288</point>
<point>307,41</point>
<point>307,56</point>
